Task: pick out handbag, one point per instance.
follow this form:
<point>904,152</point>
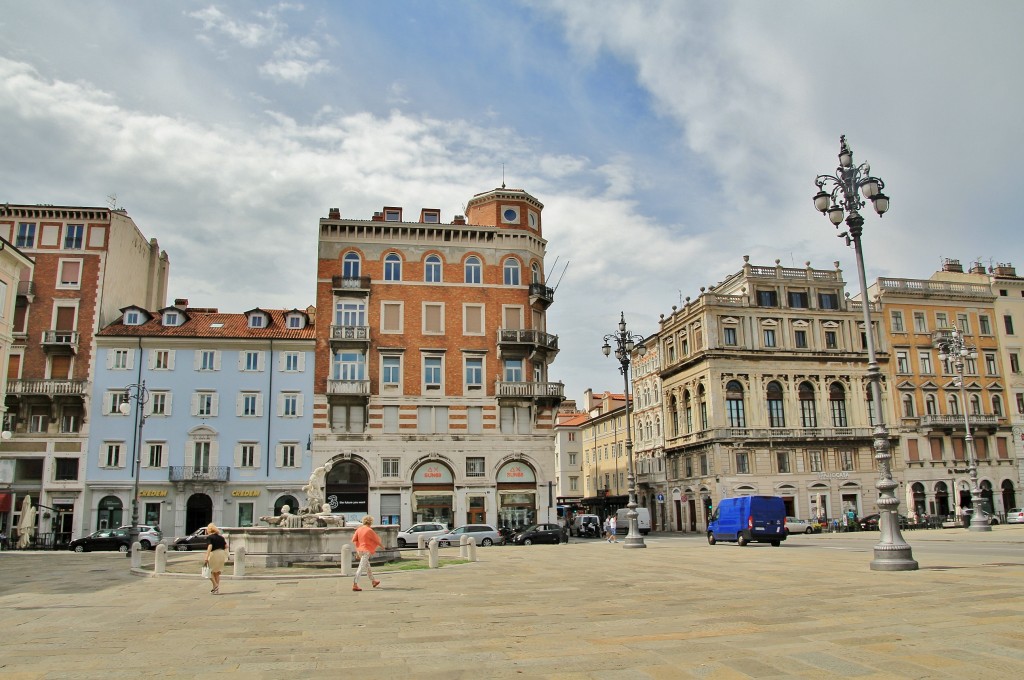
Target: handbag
<point>206,571</point>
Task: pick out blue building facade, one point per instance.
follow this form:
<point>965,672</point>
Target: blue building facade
<point>217,409</point>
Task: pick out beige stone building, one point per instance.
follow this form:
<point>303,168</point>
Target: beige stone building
<point>765,391</point>
<point>649,441</point>
<point>604,453</point>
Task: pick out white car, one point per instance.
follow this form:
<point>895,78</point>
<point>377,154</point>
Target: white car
<point>427,530</point>
<point>484,534</point>
<point>1015,516</point>
<point>149,537</point>
<point>800,526</point>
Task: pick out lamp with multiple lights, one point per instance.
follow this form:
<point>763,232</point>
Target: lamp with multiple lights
<point>953,349</point>
<point>140,395</point>
<point>841,197</point>
<point>625,344</point>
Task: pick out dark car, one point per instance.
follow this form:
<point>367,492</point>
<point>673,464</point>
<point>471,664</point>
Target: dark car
<point>541,533</point>
<point>870,523</point>
<point>104,539</point>
<point>194,541</point>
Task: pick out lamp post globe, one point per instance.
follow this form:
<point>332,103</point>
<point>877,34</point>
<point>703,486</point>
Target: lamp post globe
<point>840,197</point>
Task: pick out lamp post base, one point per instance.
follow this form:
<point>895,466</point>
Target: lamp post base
<point>893,558</point>
<point>633,542</point>
<point>979,526</point>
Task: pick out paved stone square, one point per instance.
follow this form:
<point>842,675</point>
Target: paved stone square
<point>677,609</point>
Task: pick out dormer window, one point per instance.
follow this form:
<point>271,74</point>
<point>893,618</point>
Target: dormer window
<point>257,321</point>
<point>392,215</point>
<point>132,318</point>
<point>172,319</point>
<point>431,216</point>
<point>295,321</point>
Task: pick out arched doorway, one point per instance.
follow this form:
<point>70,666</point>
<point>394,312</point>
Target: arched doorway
<point>433,493</point>
<point>941,500</point>
<point>986,496</point>
<point>517,495</point>
<point>347,490</point>
<point>819,501</point>
<point>788,494</point>
<point>705,497</point>
<point>283,501</point>
<point>1009,495</point>
<point>108,513</point>
<point>198,512</point>
<point>917,489</point>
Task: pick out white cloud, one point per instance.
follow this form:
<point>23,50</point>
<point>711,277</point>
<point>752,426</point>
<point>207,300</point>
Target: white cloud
<point>246,34</point>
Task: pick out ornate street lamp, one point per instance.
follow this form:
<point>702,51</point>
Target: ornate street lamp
<point>140,395</point>
<point>953,348</point>
<point>625,343</point>
<point>841,200</point>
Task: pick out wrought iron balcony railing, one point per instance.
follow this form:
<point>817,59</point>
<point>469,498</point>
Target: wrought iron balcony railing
<point>190,473</point>
<point>530,390</point>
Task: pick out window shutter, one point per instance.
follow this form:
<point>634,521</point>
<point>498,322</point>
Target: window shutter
<point>238,455</point>
<point>167,403</point>
<point>280,404</point>
<point>239,402</point>
<point>197,359</point>
<point>151,359</point>
<point>110,358</point>
<point>279,455</point>
<point>170,360</point>
<point>299,403</point>
<point>259,404</point>
<point>261,362</point>
<point>214,401</point>
<point>282,361</point>
<point>195,403</point>
<point>302,362</point>
<point>131,359</point>
<point>216,360</point>
<point>241,361</point>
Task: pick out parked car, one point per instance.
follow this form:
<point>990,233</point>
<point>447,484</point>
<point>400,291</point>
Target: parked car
<point>870,522</point>
<point>104,539</point>
<point>194,541</point>
<point>149,537</point>
<point>586,526</point>
<point>541,533</point>
<point>427,530</point>
<point>643,521</point>
<point>801,526</point>
<point>1015,516</point>
<point>484,534</point>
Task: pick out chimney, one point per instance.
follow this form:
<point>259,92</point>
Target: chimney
<point>977,268</point>
<point>334,214</point>
<point>1005,269</point>
<point>951,265</point>
<point>181,303</point>
<point>459,219</point>
<point>378,217</point>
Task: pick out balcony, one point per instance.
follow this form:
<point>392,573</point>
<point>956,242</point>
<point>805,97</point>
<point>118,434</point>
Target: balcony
<point>188,473</point>
<point>542,295</point>
<point>27,290</point>
<point>515,341</point>
<point>60,342</point>
<point>348,388</point>
<point>48,388</point>
<point>540,391</point>
<point>350,336</point>
<point>773,434</point>
<point>350,284</point>
<point>957,421</point>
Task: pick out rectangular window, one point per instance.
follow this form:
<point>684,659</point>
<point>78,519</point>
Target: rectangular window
<point>769,337</point>
<point>113,458</point>
<point>159,404</point>
<point>920,322</point>
<point>767,298</point>
<point>207,360</point>
<point>433,318</point>
<point>729,336</point>
<point>70,273</point>
<point>65,469</point>
<point>204,404</point>
<point>291,362</point>
<point>120,359</point>
<point>26,237</point>
<point>743,463</point>
<point>251,361</point>
<point>984,325</point>
<point>156,455</point>
<point>990,363</point>
<point>703,465</point>
<point>814,461</point>
<point>432,419</point>
<point>1008,324</point>
<point>474,373</point>
<point>782,460</point>
<point>114,401</point>
<point>798,300</point>
<point>249,404</point>
<point>162,359</point>
<point>828,300</point>
<point>73,236</point>
<point>391,317</point>
<point>349,418</point>
<point>475,467</point>
<point>964,324</point>
<point>831,340</point>
<point>513,370</point>
<point>389,467</point>
<point>846,460</point>
<point>432,373</point>
<point>391,370</point>
<point>290,405</point>
<point>474,419</point>
<point>572,459</point>
<point>473,320</point>
<point>247,455</point>
<point>1014,362</point>
<point>941,320</point>
<point>926,362</point>
<point>902,362</point>
<point>288,456</point>
<point>896,321</point>
<point>391,419</point>
<point>800,339</point>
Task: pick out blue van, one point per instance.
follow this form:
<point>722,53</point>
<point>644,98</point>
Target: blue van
<point>749,518</point>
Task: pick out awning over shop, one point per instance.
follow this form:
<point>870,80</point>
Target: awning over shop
<point>5,502</point>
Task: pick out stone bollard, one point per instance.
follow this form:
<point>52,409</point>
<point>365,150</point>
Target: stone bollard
<point>240,562</point>
<point>160,564</point>
<point>346,560</point>
<point>463,550</point>
<point>136,555</point>
<point>432,558</point>
<point>471,545</point>
<point>421,544</point>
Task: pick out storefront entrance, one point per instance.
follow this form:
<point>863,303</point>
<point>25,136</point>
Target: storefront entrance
<point>198,512</point>
<point>433,494</point>
<point>347,490</point>
<point>517,495</point>
<point>108,513</point>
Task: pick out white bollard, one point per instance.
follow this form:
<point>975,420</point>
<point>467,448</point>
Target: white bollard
<point>432,559</point>
<point>160,565</point>
<point>421,544</point>
<point>472,549</point>
<point>346,560</point>
<point>136,555</point>
<point>463,550</point>
<point>240,561</point>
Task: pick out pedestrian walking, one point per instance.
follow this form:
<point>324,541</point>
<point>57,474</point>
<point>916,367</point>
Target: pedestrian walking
<point>606,529</point>
<point>366,542</point>
<point>612,528</point>
<point>216,555</point>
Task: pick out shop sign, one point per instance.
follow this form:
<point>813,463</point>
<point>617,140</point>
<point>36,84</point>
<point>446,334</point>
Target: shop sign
<point>516,472</point>
<point>433,473</point>
<point>245,493</point>
<point>833,475</point>
<point>152,493</point>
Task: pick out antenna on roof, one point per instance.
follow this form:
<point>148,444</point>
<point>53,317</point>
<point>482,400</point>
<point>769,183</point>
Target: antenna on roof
<point>112,201</point>
<point>547,275</point>
<point>502,175</point>
<point>555,287</point>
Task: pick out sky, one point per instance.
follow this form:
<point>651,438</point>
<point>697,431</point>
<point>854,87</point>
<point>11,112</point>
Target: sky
<point>666,140</point>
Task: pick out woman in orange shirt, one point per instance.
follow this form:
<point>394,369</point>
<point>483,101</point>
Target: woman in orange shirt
<point>366,542</point>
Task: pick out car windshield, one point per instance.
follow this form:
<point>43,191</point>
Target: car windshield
<point>533,527</point>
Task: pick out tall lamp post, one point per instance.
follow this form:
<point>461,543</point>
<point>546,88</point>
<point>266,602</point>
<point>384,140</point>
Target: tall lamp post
<point>841,200</point>
<point>953,348</point>
<point>625,343</point>
<point>140,395</point>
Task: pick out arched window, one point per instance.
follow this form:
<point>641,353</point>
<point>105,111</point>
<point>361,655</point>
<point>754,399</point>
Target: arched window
<point>511,272</point>
<point>908,406</point>
<point>392,267</point>
<point>954,405</point>
<point>673,414</point>
<point>734,404</point>
<point>975,405</point>
<point>808,413</point>
<point>869,398</point>
<point>350,265</point>
<point>432,269</point>
<point>702,407</point>
<point>997,406</point>
<point>776,411</point>
<point>689,411</point>
<point>837,403</point>
<point>473,269</point>
<point>929,405</point>
<point>535,273</point>
<point>657,427</point>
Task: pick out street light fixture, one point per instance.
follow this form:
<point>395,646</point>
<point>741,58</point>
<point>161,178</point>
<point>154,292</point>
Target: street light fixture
<point>625,344</point>
<point>892,553</point>
<point>140,395</point>
<point>953,348</point>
